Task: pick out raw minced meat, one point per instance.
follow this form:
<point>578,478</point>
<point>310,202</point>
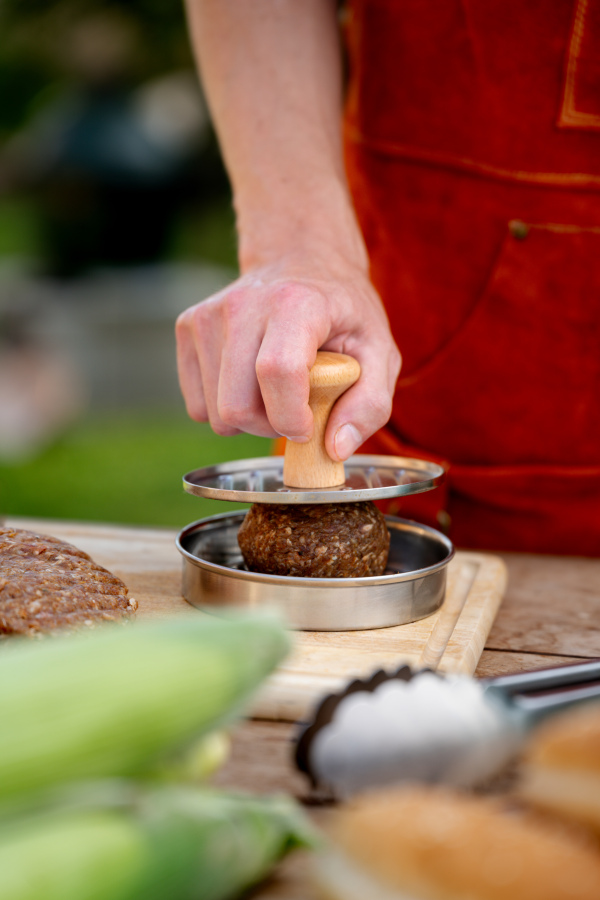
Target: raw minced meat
<point>321,540</point>
<point>48,584</point>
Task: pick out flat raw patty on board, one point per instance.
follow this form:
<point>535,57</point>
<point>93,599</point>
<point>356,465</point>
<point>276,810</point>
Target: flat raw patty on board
<point>48,584</point>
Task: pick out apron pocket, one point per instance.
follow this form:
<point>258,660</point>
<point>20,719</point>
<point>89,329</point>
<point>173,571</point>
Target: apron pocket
<point>519,383</point>
<point>581,92</point>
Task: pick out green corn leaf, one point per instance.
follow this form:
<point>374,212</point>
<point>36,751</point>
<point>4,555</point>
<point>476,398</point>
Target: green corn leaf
<point>114,701</point>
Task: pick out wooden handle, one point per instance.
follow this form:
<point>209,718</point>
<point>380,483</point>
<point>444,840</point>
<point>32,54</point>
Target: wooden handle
<point>309,465</point>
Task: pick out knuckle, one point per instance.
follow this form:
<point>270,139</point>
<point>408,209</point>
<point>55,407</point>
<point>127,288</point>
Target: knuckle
<point>380,406</point>
<point>234,314</point>
<point>299,301</point>
<point>277,375</point>
<point>235,416</point>
<point>195,318</point>
<point>396,361</point>
<point>222,428</point>
<point>201,315</point>
<point>234,302</point>
<point>287,291</point>
<point>270,366</point>
<point>182,323</point>
<point>196,410</point>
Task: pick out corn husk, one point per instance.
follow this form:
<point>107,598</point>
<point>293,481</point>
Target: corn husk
<point>123,841</point>
<point>115,701</point>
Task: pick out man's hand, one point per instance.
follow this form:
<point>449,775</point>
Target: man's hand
<point>244,354</point>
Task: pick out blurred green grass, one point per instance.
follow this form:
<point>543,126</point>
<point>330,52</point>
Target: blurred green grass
<point>202,233</point>
<point>19,234</point>
<point>206,233</point>
<point>123,467</point>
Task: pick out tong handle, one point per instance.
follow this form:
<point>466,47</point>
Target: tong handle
<point>536,708</point>
<point>543,692</point>
<point>544,679</point>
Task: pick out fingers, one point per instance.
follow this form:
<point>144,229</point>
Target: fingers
<point>218,344</point>
<point>188,368</point>
<point>239,400</point>
<point>367,405</point>
<point>198,365</point>
<point>294,333</point>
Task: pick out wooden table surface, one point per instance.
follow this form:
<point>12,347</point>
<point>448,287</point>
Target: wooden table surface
<point>550,615</point>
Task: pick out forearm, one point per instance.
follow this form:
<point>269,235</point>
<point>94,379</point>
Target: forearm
<point>272,73</point>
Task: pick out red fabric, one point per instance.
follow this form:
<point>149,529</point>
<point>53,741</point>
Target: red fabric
<point>473,151</point>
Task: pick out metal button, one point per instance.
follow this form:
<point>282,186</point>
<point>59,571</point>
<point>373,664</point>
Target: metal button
<point>518,229</point>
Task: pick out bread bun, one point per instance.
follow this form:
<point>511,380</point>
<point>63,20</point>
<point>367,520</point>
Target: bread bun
<point>425,843</point>
<point>561,766</point>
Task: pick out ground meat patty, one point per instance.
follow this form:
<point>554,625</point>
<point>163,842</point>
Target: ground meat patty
<point>47,584</point>
<point>330,540</point>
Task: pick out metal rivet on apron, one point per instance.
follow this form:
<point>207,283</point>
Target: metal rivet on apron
<point>518,229</point>
<point>443,519</point>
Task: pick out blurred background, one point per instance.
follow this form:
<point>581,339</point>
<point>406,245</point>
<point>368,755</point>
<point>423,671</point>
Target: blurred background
<point>115,215</point>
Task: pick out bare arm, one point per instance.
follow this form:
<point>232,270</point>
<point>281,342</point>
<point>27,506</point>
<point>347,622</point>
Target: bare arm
<point>271,70</point>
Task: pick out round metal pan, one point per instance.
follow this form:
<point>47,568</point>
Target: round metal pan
<point>412,587</point>
<point>261,480</point>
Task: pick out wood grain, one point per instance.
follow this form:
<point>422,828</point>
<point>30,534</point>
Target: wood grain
<point>273,769</point>
<point>501,662</point>
<point>552,605</point>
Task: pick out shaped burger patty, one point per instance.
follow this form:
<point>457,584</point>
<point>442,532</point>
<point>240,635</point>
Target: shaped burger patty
<point>321,540</point>
<point>48,584</point>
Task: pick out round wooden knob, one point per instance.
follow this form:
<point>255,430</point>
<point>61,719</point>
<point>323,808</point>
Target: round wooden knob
<point>309,465</point>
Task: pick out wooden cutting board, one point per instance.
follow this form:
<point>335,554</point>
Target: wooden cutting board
<point>451,640</point>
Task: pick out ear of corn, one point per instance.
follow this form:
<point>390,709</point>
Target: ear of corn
<point>164,844</point>
<point>233,840</point>
<point>73,857</point>
<point>112,702</point>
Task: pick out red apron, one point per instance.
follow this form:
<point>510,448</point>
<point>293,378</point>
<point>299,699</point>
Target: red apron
<point>473,150</point>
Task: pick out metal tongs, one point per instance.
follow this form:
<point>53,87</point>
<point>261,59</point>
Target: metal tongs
<point>423,726</point>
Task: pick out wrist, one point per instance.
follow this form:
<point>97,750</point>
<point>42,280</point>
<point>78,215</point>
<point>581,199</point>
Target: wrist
<point>314,222</point>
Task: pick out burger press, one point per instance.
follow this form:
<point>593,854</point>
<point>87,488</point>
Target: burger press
<point>414,583</point>
<point>422,726</point>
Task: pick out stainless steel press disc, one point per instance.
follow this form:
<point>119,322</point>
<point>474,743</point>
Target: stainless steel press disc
<point>261,480</point>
